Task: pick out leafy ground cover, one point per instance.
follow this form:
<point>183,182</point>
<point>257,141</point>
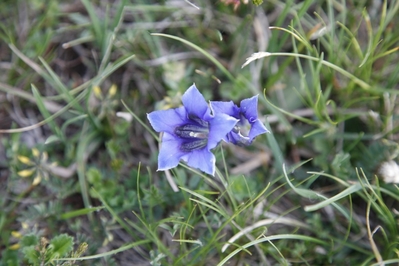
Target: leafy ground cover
<point>78,157</point>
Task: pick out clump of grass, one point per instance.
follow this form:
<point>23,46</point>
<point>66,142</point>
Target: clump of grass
<point>78,159</point>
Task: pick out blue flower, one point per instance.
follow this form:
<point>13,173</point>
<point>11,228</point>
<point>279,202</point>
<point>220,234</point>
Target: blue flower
<point>190,132</point>
<point>248,125</point>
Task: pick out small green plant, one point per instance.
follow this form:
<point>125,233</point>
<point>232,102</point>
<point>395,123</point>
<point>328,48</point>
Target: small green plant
<point>37,250</point>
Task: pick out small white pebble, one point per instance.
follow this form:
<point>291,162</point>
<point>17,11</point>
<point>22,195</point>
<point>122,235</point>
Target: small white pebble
<point>127,116</point>
<point>389,172</point>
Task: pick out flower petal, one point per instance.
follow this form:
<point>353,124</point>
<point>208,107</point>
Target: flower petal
<point>233,137</point>
<point>26,172</point>
<point>228,108</point>
<point>257,128</point>
<point>203,160</point>
<point>249,108</point>
<point>195,103</point>
<point>219,126</point>
<point>167,120</point>
<point>25,160</point>
<point>170,153</point>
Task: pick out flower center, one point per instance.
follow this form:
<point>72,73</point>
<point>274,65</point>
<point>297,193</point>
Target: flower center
<point>239,135</point>
<point>190,131</point>
<point>194,134</point>
<point>242,127</point>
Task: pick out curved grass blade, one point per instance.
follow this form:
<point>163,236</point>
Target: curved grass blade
<point>202,51</point>
<point>271,238</point>
<point>352,77</point>
<point>109,253</point>
<point>307,193</point>
<point>350,190</point>
<point>48,119</point>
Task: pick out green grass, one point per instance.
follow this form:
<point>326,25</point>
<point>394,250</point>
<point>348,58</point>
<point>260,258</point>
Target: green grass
<point>79,183</point>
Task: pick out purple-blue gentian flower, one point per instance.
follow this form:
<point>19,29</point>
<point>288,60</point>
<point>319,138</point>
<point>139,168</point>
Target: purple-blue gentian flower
<point>248,125</point>
<point>190,132</point>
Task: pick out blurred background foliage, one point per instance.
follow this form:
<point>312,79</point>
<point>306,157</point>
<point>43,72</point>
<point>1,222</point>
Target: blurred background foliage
<point>78,165</point>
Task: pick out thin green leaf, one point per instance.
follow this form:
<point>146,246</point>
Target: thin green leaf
<point>47,116</point>
<point>72,214</point>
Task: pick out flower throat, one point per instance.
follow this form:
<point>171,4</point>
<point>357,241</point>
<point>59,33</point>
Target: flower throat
<point>194,134</point>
